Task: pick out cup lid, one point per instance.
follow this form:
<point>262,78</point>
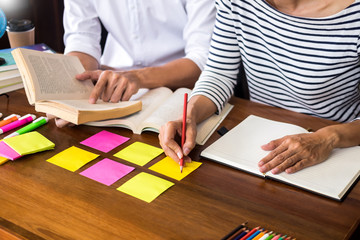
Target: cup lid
<point>19,25</point>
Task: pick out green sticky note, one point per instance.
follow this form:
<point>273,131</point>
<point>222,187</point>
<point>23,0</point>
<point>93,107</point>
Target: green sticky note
<point>170,168</point>
<point>139,153</point>
<point>28,143</point>
<point>145,186</point>
<point>72,158</point>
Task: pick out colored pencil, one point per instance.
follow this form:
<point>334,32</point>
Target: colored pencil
<point>183,130</point>
<point>250,233</point>
<point>254,235</point>
<point>260,235</point>
<point>276,237</point>
<point>240,235</point>
<point>236,231</point>
<point>271,236</point>
<point>266,235</point>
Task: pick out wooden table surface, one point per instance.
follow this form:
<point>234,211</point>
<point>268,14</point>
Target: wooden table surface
<point>39,200</point>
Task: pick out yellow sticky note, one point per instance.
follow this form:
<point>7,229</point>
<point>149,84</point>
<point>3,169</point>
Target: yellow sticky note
<point>28,143</point>
<point>170,168</point>
<point>72,158</point>
<point>139,153</point>
<point>3,160</point>
<point>145,186</point>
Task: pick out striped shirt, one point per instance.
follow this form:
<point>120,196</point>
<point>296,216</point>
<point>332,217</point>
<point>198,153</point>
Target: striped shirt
<point>307,65</point>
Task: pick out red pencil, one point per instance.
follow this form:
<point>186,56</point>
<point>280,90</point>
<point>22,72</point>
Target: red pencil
<point>250,233</point>
<point>183,130</point>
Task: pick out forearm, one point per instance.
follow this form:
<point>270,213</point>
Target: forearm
<point>200,108</point>
<point>342,135</point>
<point>87,61</point>
<point>178,73</point>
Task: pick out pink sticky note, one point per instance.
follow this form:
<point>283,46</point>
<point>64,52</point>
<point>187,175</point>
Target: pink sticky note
<point>107,171</point>
<point>8,152</point>
<point>104,141</point>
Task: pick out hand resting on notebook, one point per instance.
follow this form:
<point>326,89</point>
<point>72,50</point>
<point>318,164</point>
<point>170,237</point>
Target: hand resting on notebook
<point>289,153</point>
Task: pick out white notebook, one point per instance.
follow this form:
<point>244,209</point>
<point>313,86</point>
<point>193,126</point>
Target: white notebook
<point>241,148</point>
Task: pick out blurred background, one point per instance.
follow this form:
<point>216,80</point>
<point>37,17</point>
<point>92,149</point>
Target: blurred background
<point>47,15</point>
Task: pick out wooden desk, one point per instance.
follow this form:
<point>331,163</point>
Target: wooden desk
<point>39,200</point>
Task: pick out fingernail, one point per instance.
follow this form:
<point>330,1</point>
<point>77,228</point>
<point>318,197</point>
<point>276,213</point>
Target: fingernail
<point>264,147</point>
<point>59,123</point>
<point>262,169</point>
<point>186,151</point>
<point>92,100</point>
<point>179,155</point>
<point>275,171</point>
<point>260,163</point>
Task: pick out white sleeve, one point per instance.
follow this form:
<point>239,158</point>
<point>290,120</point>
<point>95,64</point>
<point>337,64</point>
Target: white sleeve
<point>198,29</point>
<point>82,28</point>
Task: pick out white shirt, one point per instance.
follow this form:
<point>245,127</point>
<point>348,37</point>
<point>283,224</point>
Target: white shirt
<point>141,33</point>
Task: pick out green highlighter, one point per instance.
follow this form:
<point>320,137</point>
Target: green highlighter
<point>28,128</point>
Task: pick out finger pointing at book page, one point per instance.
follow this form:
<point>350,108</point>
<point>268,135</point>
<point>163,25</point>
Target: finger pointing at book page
<point>112,86</point>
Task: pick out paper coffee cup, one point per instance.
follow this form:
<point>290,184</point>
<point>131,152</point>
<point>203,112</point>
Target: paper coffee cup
<point>21,32</point>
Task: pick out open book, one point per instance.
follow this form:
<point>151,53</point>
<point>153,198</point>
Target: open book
<point>50,85</point>
<point>10,78</point>
<point>241,148</point>
<point>161,105</point>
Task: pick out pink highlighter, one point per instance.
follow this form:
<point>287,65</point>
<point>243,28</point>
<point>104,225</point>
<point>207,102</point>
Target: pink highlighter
<point>21,121</point>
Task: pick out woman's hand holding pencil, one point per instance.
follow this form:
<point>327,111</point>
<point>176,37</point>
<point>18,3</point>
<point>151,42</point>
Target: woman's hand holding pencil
<point>197,110</point>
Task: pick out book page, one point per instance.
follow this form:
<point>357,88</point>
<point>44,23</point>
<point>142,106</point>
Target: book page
<point>172,110</point>
<point>151,100</point>
<point>12,80</point>
<point>169,110</point>
<point>84,105</point>
<point>331,177</point>
<point>8,75</point>
<point>241,146</point>
<point>80,110</point>
<point>157,111</point>
<point>207,127</point>
<point>28,85</point>
<point>53,75</point>
<point>11,88</point>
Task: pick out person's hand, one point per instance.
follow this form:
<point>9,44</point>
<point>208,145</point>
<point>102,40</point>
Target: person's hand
<point>295,152</point>
<point>111,85</point>
<point>60,123</point>
<point>167,135</point>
